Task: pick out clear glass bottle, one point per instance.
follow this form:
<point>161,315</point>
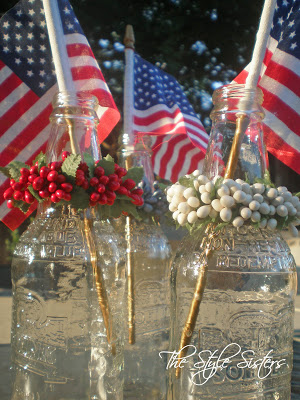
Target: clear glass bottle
<point>248,301</point>
<point>148,253</point>
<point>64,347</point>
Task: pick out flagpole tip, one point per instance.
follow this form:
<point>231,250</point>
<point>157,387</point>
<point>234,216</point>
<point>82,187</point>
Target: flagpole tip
<point>129,37</point>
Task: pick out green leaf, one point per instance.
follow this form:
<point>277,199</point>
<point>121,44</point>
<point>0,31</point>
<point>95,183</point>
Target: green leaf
<point>221,225</point>
<point>41,160</point>
<point>107,165</point>
<point>24,207</point>
<point>135,173</point>
<point>5,171</point>
<point>34,194</point>
<point>80,198</point>
<point>89,159</point>
<point>187,182</point>
<point>14,169</point>
<point>109,158</point>
<point>297,194</point>
<point>70,166</point>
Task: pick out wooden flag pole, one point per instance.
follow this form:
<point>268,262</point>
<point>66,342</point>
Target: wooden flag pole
<point>128,129</point>
<point>65,84</point>
<point>242,123</point>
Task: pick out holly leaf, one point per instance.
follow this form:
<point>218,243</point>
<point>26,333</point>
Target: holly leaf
<point>80,198</point>
<point>107,165</point>
<point>24,207</point>
<point>41,160</point>
<point>135,173</point>
<point>109,158</point>
<point>34,194</point>
<point>14,169</point>
<point>90,162</point>
<point>70,166</point>
<point>5,171</point>
<point>297,194</point>
<point>187,182</point>
<point>221,225</point>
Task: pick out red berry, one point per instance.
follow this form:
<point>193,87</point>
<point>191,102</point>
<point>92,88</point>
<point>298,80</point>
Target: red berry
<point>28,197</point>
<point>45,193</point>
<point>60,194</point>
<point>12,182</point>
<point>139,202</point>
<point>85,184</point>
<point>122,190</point>
<point>121,172</point>
<point>129,184</point>
<point>18,195</point>
<point>44,171</point>
<point>138,191</point>
<point>36,164</point>
<point>113,177</point>
<point>94,181</point>
<point>113,185</point>
<point>100,188</point>
<point>79,172</point>
<point>116,166</point>
<point>52,176</point>
<point>65,154</point>
<point>79,180</point>
<point>23,179</point>
<point>18,186</point>
<point>110,195</point>
<point>33,170</point>
<point>8,194</point>
<point>104,180</point>
<point>67,187</point>
<point>24,171</point>
<point>99,171</point>
<point>61,178</point>
<point>67,197</point>
<point>94,197</point>
<point>38,183</point>
<point>54,198</point>
<point>103,199</point>
<point>110,202</point>
<point>92,204</point>
<point>10,203</point>
<point>32,177</point>
<point>83,166</point>
<point>136,199</point>
<point>125,213</point>
<point>52,187</point>
<point>55,166</point>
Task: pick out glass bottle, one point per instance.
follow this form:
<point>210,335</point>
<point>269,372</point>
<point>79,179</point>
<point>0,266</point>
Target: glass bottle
<point>64,346</point>
<point>247,309</point>
<point>148,256</point>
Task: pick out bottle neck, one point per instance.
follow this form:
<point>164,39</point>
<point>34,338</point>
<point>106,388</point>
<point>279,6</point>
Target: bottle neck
<point>230,103</point>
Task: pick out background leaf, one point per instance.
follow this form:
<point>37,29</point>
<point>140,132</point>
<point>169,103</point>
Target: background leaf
<point>135,173</point>
<point>70,166</point>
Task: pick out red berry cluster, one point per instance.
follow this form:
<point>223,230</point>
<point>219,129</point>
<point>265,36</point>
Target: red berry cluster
<point>106,187</point>
<point>48,182</point>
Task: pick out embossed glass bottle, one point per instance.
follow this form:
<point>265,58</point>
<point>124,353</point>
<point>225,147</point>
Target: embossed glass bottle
<point>64,347</point>
<point>248,300</point>
<point>148,253</point>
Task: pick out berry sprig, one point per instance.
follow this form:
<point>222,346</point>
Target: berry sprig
<point>155,202</point>
<point>75,181</point>
<point>196,201</point>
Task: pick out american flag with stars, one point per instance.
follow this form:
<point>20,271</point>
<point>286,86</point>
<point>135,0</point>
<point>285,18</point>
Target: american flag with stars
<point>280,83</point>
<point>28,84</point>
<point>162,109</point>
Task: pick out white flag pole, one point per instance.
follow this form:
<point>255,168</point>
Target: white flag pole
<point>129,83</point>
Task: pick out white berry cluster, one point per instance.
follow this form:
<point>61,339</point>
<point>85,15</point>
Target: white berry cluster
<point>195,198</point>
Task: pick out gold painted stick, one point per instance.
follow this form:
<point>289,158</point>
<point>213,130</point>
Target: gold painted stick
<point>100,287</point>
<point>191,320</point>
<point>242,123</point>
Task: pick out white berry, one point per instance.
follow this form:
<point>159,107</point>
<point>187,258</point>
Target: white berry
<point>272,193</point>
<point>293,230</point>
<point>263,223</point>
<point>223,191</point>
<point>205,198</point>
<point>246,188</point>
<point>246,212</point>
<point>282,211</point>
<point>203,179</point>
<point>264,208</point>
<point>184,207</point>
<point>179,189</point>
<point>247,200</point>
<point>258,197</point>
<point>203,211</point>
<point>202,189</point>
<point>193,202</point>
<point>272,210</point>
<point>287,196</point>
<point>238,222</point>
<point>240,181</point>
<point>192,217</point>
<point>229,182</point>
<point>189,193</point>
<point>255,217</point>
<point>272,223</point>
<point>175,215</point>
<point>281,189</point>
<point>216,204</point>
<point>258,188</point>
<point>172,207</point>
<point>278,201</point>
<point>295,201</point>
<point>213,213</point>
<point>196,184</point>
<point>182,219</point>
<point>170,191</point>
<point>227,201</point>
<point>239,196</point>
<point>209,187</point>
<point>226,214</point>
<point>196,173</point>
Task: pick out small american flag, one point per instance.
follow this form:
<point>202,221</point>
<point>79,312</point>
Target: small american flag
<point>280,83</point>
<point>161,108</point>
<point>28,84</point>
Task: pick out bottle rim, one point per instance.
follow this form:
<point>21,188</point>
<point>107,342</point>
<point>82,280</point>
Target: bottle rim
<point>79,99</point>
<point>238,91</point>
